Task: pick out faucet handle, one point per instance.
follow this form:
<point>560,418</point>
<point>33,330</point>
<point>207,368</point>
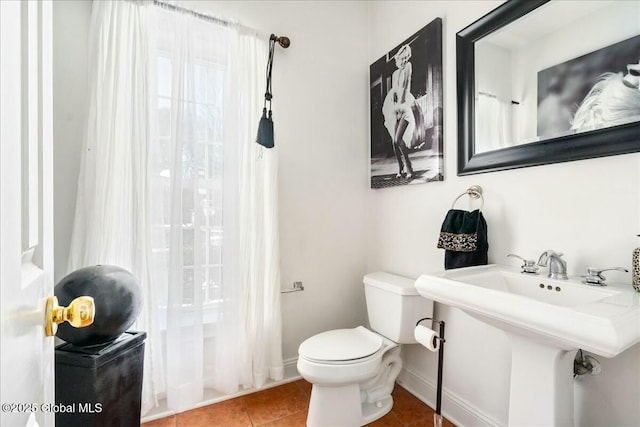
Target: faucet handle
<point>528,265</point>
<point>594,275</point>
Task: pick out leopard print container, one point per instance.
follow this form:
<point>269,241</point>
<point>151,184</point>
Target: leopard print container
<point>636,269</point>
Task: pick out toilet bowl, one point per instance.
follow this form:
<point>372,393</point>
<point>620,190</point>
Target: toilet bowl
<point>353,371</point>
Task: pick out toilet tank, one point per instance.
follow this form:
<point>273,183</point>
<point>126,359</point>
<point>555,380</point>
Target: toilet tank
<point>394,306</point>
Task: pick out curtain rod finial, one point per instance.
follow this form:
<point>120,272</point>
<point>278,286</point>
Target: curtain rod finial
<point>283,41</point>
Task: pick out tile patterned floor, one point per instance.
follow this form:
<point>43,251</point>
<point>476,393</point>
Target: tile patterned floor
<point>286,406</point>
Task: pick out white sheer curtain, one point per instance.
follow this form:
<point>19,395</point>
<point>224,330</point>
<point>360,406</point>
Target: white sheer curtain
<point>173,188</point>
<point>493,123</point>
<point>257,296</point>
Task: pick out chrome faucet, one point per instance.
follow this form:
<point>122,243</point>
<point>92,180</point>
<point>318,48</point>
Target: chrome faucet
<point>557,266</point>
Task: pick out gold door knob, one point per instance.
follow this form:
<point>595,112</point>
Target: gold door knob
<point>79,314</point>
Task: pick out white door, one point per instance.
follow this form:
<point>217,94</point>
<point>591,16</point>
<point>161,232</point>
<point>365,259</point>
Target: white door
<point>26,212</point>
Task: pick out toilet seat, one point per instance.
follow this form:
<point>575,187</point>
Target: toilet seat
<point>342,356</point>
<point>341,346</point>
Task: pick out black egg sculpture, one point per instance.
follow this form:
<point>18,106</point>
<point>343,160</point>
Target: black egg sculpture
<point>117,298</point>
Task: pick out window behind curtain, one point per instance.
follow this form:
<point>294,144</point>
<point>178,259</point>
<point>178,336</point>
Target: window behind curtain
<point>190,108</point>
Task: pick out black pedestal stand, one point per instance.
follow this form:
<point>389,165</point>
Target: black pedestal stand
<point>437,417</point>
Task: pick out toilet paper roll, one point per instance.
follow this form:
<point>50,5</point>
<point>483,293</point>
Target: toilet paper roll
<point>427,338</point>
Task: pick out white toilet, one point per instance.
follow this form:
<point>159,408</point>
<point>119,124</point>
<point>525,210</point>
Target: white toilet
<point>353,370</point>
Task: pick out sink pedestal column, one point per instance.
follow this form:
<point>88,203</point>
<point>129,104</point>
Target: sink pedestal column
<point>541,383</point>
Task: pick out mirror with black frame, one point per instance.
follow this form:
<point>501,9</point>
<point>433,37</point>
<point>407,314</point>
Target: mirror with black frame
<point>548,81</point>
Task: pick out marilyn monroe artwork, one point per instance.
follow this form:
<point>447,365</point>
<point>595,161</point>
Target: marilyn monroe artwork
<point>406,111</point>
<point>597,90</point>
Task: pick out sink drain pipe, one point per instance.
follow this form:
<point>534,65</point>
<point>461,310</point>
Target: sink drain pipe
<point>585,364</point>
<point>432,341</point>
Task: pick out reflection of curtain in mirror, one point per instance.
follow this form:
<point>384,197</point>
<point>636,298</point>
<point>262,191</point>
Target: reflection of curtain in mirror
<point>493,123</point>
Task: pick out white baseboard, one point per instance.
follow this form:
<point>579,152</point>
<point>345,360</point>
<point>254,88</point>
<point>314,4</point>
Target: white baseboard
<point>460,411</point>
<point>291,369</point>
<point>456,409</point>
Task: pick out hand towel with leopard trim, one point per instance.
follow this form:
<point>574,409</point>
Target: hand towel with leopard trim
<point>464,237</point>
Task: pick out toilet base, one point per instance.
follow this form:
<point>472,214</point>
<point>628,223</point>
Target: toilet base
<point>357,403</point>
<point>333,407</point>
<point>374,411</point>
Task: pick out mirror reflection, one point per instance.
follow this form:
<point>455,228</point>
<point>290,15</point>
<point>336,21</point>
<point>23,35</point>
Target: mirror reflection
<point>565,68</point>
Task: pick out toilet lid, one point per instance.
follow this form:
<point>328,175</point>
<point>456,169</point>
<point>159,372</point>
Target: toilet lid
<point>341,344</point>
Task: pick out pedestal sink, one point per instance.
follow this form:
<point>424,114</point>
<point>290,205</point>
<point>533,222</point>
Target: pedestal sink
<point>546,321</point>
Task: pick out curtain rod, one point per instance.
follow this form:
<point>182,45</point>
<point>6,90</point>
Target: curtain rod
<point>282,40</point>
<point>490,95</point>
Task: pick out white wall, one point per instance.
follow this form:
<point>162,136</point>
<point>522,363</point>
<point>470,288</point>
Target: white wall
<point>589,209</point>
<point>320,87</point>
<point>320,113</point>
<point>493,70</point>
<point>70,34</point>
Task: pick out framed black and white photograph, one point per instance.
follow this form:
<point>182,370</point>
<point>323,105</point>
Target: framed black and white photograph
<point>593,91</point>
<point>406,111</point>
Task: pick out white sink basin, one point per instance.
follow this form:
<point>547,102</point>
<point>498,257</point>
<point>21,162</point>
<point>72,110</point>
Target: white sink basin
<point>563,293</point>
<point>603,320</point>
<point>546,321</point>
